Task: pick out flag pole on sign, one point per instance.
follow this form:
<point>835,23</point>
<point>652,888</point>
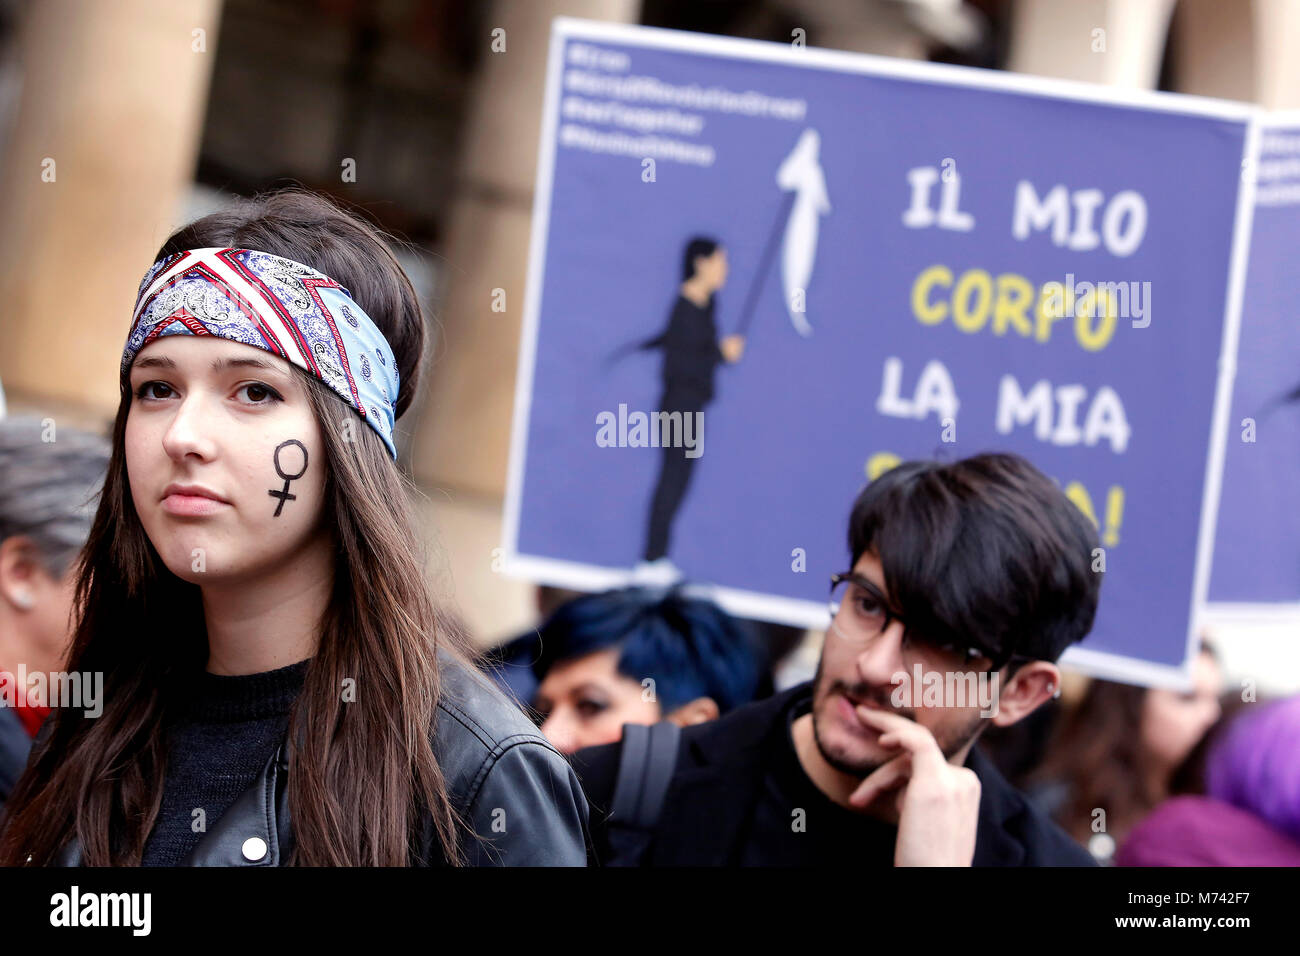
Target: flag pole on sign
<point>800,176</point>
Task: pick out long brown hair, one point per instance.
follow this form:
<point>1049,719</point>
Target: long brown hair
<point>363,775</point>
<point>1099,754</point>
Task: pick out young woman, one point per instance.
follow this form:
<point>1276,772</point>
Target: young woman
<point>1119,750</point>
<point>278,687</point>
<point>1249,814</point>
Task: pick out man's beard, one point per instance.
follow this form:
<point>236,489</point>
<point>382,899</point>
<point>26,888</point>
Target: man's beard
<point>949,743</point>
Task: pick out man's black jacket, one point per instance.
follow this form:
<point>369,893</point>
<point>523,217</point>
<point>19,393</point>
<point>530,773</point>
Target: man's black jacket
<point>718,778</point>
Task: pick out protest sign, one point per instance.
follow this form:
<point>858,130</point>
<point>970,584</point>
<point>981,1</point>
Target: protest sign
<point>1257,545</point>
<point>923,262</point>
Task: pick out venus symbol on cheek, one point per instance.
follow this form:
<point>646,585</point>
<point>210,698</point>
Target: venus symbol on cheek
<point>283,494</point>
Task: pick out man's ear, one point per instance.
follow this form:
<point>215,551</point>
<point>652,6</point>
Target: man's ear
<point>699,711</point>
<point>20,572</point>
<point>1032,685</point>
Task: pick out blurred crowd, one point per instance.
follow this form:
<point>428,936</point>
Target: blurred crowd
<point>1137,776</point>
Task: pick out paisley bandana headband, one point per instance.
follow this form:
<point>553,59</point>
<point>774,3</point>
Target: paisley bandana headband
<point>277,305</point>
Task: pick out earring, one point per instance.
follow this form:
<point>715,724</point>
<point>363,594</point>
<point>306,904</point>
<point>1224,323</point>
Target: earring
<point>25,600</point>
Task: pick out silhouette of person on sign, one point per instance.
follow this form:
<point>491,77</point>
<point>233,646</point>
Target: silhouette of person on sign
<point>691,351</point>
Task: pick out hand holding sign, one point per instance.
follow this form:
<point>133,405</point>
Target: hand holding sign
<point>733,347</point>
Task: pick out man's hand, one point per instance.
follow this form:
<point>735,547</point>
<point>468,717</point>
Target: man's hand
<point>938,804</point>
<point>732,347</point>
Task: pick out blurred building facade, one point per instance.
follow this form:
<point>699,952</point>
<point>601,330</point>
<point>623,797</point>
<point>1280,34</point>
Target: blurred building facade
<point>120,121</point>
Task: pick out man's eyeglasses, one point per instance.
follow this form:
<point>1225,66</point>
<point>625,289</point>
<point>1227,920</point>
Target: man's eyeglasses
<point>860,614</point>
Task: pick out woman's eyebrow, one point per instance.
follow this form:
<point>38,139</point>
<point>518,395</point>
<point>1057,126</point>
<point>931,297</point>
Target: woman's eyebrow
<point>220,364</point>
<point>162,361</point>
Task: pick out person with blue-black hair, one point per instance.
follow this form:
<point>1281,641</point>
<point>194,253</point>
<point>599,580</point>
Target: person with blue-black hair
<point>636,656</point>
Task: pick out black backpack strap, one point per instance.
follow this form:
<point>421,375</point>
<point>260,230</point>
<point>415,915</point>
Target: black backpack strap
<point>645,769</point>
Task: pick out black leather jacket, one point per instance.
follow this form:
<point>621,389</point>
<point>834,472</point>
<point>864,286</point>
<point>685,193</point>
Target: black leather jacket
<point>517,795</point>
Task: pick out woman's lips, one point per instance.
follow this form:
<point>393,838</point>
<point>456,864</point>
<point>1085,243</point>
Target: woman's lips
<point>191,506</point>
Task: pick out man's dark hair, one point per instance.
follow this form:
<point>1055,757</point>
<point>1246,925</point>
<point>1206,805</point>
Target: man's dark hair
<point>698,246</point>
<point>984,552</point>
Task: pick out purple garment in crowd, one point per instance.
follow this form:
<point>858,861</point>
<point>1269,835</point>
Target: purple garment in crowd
<point>1202,831</point>
<point>1256,764</point>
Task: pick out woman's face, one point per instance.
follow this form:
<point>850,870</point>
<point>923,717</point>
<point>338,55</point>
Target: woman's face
<point>585,702</point>
<point>224,457</point>
<point>713,269</point>
<point>1174,722</point>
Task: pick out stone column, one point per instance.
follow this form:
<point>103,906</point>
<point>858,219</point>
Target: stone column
<point>1113,42</point>
<point>1277,54</point>
<point>460,444</point>
<point>101,152</point>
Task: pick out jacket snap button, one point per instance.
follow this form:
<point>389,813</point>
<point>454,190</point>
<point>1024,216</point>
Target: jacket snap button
<point>254,849</point>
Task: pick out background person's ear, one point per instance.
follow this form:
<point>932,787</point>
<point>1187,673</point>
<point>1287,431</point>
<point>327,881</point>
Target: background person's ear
<point>1034,684</point>
<point>699,711</point>
<point>21,572</point>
